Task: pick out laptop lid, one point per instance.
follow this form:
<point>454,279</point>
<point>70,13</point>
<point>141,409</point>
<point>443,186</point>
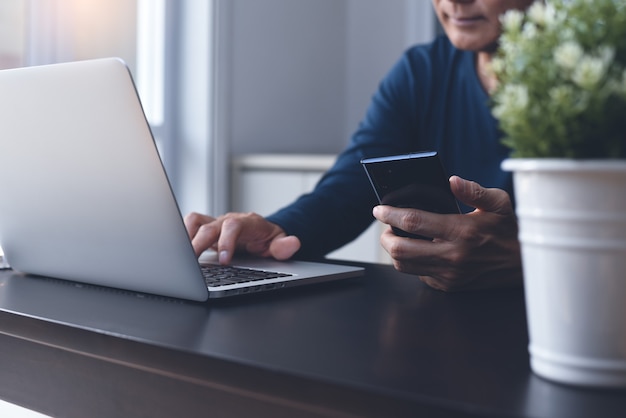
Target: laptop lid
<point>84,193</point>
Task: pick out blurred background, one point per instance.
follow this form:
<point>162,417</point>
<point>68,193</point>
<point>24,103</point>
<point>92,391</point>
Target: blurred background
<point>234,90</point>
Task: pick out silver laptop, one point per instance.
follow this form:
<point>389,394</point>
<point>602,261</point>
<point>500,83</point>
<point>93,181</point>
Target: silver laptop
<point>84,196</point>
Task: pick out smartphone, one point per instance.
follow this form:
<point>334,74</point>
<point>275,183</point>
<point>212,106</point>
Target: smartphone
<point>415,180</point>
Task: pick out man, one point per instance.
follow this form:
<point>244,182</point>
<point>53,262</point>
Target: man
<point>434,98</point>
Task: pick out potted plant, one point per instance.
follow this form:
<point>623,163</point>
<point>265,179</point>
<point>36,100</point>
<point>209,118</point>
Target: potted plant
<point>561,104</point>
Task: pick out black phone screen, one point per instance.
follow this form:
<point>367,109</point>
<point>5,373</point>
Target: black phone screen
<point>415,180</point>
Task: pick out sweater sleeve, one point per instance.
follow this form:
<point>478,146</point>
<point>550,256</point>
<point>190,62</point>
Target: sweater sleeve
<point>340,206</point>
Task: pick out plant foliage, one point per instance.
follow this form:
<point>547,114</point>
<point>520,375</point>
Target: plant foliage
<point>562,79</point>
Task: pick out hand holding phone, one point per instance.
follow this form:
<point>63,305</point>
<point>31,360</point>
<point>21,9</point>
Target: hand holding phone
<point>415,180</point>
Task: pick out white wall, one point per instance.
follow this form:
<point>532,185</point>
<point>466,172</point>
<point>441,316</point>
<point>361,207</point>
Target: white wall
<point>288,75</point>
<point>303,71</point>
<point>12,38</point>
<point>378,32</point>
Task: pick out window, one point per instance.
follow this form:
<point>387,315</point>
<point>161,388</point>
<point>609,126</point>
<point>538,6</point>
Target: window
<point>168,46</point>
<point>12,33</point>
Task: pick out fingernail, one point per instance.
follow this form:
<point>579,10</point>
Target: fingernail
<point>458,183</point>
<point>223,257</point>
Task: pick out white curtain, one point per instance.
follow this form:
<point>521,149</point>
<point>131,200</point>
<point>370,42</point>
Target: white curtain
<point>169,45</point>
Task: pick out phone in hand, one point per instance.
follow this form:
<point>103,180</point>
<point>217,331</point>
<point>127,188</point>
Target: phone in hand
<point>415,180</point>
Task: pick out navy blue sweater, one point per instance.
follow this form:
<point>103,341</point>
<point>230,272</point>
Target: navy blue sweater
<point>431,99</point>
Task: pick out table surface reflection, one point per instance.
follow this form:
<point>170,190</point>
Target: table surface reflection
<point>382,344</point>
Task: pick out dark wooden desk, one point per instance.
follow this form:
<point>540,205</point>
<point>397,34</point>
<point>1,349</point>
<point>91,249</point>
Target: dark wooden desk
<point>383,345</point>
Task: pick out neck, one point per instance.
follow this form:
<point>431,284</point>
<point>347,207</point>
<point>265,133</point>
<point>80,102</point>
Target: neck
<point>486,76</point>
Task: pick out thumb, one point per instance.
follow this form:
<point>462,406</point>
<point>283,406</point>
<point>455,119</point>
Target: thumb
<point>476,196</point>
<point>284,247</point>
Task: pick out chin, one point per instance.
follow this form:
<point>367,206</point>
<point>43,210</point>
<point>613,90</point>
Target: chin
<point>468,43</point>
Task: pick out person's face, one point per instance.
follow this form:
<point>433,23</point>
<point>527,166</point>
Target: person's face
<point>474,24</point>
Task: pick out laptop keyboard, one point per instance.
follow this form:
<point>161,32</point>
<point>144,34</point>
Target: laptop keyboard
<point>217,275</point>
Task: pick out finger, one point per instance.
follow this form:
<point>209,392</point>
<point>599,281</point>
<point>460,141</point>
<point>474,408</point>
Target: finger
<point>284,247</point>
<point>227,241</point>
<point>206,236</point>
<point>193,221</point>
<point>419,252</point>
<point>424,259</point>
<point>417,221</point>
<point>476,196</point>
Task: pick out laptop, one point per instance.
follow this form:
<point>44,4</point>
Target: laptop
<point>84,196</point>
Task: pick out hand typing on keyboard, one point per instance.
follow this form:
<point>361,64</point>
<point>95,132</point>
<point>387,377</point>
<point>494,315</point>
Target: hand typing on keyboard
<point>239,231</point>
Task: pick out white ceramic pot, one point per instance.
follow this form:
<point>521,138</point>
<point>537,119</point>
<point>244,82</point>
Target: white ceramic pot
<point>572,229</point>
